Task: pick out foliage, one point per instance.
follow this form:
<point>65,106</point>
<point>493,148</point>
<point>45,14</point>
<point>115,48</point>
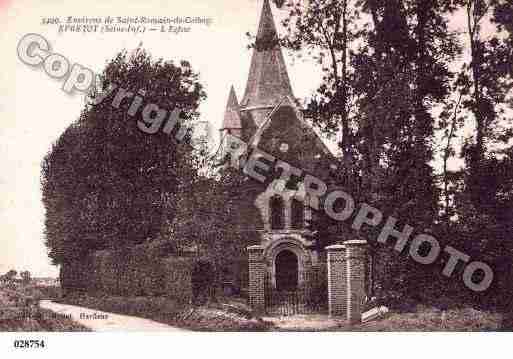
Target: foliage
<point>105,183</point>
<point>391,87</point>
<point>20,312</point>
<point>11,274</point>
<point>215,216</point>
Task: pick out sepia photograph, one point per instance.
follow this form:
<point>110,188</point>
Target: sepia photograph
<point>339,166</point>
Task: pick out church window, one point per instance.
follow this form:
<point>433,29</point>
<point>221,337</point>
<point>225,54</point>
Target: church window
<point>277,213</point>
<point>297,214</point>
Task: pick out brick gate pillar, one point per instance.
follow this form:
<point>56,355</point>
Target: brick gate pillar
<point>356,262</point>
<point>256,278</point>
<point>337,284</point>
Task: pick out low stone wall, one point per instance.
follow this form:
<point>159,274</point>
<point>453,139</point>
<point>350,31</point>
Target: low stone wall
<point>136,273</point>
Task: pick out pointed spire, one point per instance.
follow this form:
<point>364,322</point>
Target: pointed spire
<point>231,115</point>
<point>268,80</point>
<point>266,27</point>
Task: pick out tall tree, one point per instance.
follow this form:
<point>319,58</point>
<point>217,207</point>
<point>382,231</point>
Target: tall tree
<point>106,183</point>
<point>325,28</point>
<point>390,69</point>
<point>489,79</point>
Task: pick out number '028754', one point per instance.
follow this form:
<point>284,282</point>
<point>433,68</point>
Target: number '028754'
<point>29,344</point>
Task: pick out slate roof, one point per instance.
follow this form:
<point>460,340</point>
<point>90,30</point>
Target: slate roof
<point>232,115</point>
<point>268,80</point>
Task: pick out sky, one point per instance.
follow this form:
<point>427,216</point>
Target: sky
<point>34,110</point>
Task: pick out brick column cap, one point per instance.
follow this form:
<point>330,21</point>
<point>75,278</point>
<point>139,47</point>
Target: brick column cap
<point>255,248</point>
<point>336,247</point>
<point>355,242</point>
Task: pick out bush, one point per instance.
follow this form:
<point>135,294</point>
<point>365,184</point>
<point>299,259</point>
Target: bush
<point>49,292</point>
<point>139,272</point>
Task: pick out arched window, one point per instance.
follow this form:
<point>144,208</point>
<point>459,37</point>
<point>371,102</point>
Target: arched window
<point>297,214</point>
<point>277,213</point>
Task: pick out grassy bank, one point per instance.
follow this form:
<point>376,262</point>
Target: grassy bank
<point>421,319</point>
<point>211,317</point>
<point>19,312</point>
<point>432,319</point>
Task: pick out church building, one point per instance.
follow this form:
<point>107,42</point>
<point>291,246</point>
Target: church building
<point>268,117</point>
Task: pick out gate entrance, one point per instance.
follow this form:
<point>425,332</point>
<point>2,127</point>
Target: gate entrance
<point>289,296</point>
<point>286,269</point>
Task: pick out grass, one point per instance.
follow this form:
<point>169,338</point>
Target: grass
<point>235,315</point>
<point>36,320</point>
<point>211,317</point>
<point>432,319</point>
<point>228,314</point>
<point>421,319</point>
<point>19,311</point>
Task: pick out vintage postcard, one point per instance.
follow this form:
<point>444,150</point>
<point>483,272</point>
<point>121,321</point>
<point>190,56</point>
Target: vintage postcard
<point>255,166</point>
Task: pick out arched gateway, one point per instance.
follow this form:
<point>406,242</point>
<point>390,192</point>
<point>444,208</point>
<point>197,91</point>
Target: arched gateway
<point>287,260</point>
<point>287,268</point>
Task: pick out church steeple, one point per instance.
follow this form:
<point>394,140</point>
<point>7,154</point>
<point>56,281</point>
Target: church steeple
<point>268,80</point>
<point>231,121</point>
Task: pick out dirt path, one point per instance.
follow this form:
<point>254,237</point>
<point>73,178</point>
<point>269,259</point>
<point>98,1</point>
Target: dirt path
<point>312,322</point>
<point>106,322</point>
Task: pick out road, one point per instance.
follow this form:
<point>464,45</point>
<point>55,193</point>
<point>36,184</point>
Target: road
<point>99,321</point>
